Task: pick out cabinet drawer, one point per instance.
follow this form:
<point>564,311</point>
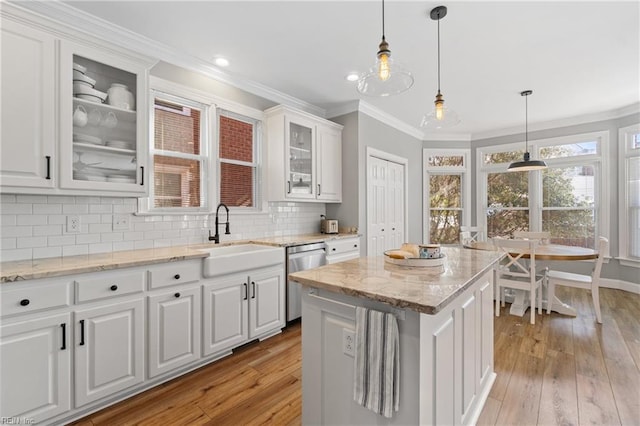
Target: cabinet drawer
<point>343,246</point>
<point>174,273</point>
<point>109,284</point>
<point>22,298</point>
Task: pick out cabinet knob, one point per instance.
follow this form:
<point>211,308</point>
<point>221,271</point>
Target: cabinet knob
<point>113,287</point>
<point>177,295</point>
<point>176,276</point>
<point>355,245</point>
<point>24,302</point>
<point>382,230</point>
<point>393,229</point>
<point>333,249</point>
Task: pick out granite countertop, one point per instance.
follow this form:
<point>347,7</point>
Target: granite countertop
<point>59,266</point>
<point>425,290</point>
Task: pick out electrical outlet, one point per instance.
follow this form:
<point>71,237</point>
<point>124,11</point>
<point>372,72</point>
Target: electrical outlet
<point>120,222</point>
<point>73,224</point>
<point>348,342</point>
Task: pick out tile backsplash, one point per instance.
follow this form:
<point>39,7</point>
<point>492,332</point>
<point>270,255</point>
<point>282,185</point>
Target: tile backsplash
<point>35,226</point>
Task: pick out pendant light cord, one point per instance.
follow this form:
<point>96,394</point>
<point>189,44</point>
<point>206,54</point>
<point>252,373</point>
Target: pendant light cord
<point>526,123</point>
<point>438,53</point>
<point>383,19</point>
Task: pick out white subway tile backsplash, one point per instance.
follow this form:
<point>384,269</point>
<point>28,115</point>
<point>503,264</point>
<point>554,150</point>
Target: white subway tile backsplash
<point>30,242</point>
<point>35,226</point>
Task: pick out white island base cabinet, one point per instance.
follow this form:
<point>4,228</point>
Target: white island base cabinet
<point>446,360</point>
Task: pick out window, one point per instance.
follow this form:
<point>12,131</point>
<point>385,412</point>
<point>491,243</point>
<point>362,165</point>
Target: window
<point>447,194</point>
<point>238,154</point>
<point>564,199</point>
<point>629,145</point>
<point>178,154</point>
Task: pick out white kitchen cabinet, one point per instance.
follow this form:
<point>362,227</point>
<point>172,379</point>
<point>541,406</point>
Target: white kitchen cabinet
<point>35,366</point>
<point>304,157</point>
<point>173,329</point>
<point>108,152</point>
<point>109,349</point>
<point>28,130</point>
<point>225,308</point>
<point>342,249</point>
<point>241,307</point>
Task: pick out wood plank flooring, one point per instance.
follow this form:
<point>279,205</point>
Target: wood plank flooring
<point>562,370</point>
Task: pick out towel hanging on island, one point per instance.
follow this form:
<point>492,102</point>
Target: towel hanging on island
<point>377,361</point>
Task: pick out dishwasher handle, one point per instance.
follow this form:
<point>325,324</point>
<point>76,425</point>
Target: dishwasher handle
<point>310,253</point>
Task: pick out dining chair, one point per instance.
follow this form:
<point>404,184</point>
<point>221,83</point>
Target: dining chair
<point>588,282</point>
<point>529,235</point>
<point>518,272</point>
<point>469,234</point>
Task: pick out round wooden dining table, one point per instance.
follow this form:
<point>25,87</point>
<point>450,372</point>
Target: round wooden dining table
<point>546,252</point>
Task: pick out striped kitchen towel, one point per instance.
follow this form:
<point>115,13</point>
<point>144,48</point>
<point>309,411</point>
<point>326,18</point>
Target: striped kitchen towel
<point>377,361</point>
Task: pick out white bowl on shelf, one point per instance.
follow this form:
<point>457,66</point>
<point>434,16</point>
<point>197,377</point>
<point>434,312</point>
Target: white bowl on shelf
<point>81,88</point>
<point>78,76</point>
<point>89,98</point>
<point>79,68</point>
<point>82,138</point>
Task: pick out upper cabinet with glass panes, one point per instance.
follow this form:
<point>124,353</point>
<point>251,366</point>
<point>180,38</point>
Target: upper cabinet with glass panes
<point>305,157</point>
<point>103,116</point>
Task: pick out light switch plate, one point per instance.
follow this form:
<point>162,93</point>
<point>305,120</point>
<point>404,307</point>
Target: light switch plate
<point>121,222</point>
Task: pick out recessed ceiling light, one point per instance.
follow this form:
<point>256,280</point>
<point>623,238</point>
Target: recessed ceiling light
<point>352,76</point>
<point>222,62</point>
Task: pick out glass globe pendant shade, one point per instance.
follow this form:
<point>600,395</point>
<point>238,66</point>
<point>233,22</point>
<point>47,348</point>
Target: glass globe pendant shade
<point>385,77</point>
<point>441,117</point>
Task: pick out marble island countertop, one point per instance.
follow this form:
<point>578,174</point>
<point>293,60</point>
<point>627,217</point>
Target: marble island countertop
<point>425,290</point>
<point>59,266</point>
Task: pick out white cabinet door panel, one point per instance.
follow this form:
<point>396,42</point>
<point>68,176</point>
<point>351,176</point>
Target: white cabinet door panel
<point>35,366</point>
<point>329,186</point>
<point>225,314</point>
<point>28,131</point>
<point>108,349</point>
<point>174,329</point>
<point>266,302</point>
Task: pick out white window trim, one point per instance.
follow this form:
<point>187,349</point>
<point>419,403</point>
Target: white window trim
<point>535,178</point>
<point>624,153</point>
<point>463,170</point>
<point>178,90</point>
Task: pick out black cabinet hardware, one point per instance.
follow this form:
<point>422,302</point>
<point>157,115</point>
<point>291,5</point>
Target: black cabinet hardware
<point>141,175</point>
<point>81,332</point>
<point>113,287</point>
<point>177,295</point>
<point>318,189</point>
<point>333,249</point>
<point>246,291</point>
<point>64,336</point>
<point>24,302</point>
<point>253,289</point>
<point>355,245</point>
<point>48,157</point>
<point>176,276</point>
<point>288,187</point>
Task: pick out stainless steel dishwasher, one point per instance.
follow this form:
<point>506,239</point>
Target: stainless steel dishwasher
<point>300,258</point>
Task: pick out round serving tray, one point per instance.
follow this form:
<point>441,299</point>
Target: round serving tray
<point>415,262</point>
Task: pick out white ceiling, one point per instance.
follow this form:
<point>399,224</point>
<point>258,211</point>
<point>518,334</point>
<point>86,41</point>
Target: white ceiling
<point>578,57</point>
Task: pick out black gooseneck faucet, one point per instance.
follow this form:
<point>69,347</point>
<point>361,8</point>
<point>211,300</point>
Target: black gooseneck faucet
<point>216,237</point>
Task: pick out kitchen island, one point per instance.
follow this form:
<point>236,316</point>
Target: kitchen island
<point>445,322</point>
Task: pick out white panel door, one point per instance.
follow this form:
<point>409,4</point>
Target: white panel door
<point>266,302</point>
<point>174,329</point>
<point>28,131</point>
<point>35,367</point>
<point>377,206</point>
<point>395,205</point>
<point>109,349</point>
<point>225,314</point>
<point>329,166</point>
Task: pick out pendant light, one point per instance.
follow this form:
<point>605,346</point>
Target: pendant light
<point>441,117</point>
<point>527,164</point>
<point>386,77</point>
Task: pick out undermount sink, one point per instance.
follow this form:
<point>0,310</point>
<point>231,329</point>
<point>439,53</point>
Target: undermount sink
<point>240,257</point>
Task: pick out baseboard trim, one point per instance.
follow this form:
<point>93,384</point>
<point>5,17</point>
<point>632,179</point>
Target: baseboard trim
<point>620,285</point>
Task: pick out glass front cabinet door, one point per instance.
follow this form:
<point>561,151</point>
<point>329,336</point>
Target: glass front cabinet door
<point>103,110</point>
<point>300,140</point>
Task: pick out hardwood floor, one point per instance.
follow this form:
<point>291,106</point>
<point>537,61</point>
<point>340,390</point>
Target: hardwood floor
<point>562,370</point>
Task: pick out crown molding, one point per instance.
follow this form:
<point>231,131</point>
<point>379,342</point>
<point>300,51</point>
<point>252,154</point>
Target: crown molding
<point>564,122</point>
<point>102,29</point>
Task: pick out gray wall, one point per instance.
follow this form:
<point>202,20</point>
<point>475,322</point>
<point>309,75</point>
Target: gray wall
<point>612,269</point>
<point>362,131</point>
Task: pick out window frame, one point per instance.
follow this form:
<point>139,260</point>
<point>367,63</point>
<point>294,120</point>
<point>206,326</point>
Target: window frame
<point>465,179</point>
<point>624,154</point>
<point>145,204</point>
<point>258,195</point>
<point>600,161</point>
